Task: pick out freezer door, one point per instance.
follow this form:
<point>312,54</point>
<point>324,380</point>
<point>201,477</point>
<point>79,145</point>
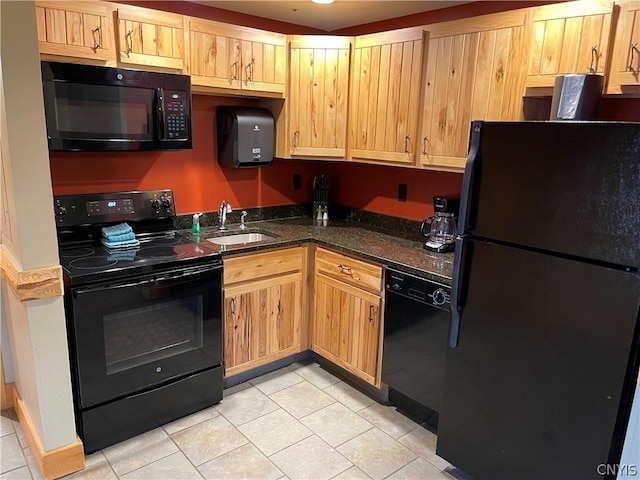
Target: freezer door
<point>543,366</point>
<point>566,187</point>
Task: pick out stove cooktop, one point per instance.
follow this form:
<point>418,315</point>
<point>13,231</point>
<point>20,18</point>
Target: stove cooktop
<point>83,263</point>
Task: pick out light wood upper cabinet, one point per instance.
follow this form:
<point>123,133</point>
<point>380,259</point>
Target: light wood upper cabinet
<point>230,57</point>
<point>264,61</point>
<point>150,38</point>
<point>317,98</point>
<point>475,71</point>
<point>385,92</point>
<point>73,29</point>
<point>263,308</point>
<point>572,37</point>
<point>347,314</point>
<point>625,68</point>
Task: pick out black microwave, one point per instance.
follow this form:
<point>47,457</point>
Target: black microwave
<point>91,108</point>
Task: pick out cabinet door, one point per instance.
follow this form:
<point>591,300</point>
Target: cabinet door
<point>625,68</point>
<point>475,71</point>
<point>73,29</point>
<point>572,37</point>
<point>317,103</point>
<point>150,38</point>
<point>262,322</point>
<point>346,328</point>
<point>385,87</point>
<point>264,61</point>
<point>215,55</point>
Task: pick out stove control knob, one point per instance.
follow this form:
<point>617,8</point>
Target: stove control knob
<point>155,204</point>
<point>61,211</point>
<point>396,286</point>
<point>439,296</point>
<point>166,201</point>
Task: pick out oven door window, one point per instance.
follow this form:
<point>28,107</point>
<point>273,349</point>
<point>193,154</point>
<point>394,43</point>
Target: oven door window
<point>148,334</point>
<point>132,335</point>
<point>94,112</point>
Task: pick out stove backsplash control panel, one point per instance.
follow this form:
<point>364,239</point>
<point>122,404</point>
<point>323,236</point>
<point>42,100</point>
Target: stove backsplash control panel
<point>94,208</point>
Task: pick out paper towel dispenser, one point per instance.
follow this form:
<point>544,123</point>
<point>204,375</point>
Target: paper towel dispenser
<point>245,136</point>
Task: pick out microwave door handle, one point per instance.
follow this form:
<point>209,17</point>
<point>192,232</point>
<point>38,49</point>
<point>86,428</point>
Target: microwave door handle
<point>160,133</point>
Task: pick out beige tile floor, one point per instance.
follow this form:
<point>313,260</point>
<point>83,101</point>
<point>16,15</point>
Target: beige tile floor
<point>299,422</point>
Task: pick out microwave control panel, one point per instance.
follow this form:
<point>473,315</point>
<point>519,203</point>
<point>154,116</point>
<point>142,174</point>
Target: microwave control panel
<point>175,116</point>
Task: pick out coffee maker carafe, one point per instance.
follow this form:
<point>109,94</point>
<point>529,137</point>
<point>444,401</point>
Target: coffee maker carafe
<point>440,229</point>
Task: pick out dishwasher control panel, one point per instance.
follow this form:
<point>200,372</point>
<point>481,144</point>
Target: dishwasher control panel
<point>419,289</point>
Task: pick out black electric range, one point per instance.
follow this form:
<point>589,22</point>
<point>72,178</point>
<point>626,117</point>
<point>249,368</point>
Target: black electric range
<point>144,323</point>
<point>90,261</point>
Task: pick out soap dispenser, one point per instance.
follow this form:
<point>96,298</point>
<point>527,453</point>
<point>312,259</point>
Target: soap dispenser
<point>195,227</point>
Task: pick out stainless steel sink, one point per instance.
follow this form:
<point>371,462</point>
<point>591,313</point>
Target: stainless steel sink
<point>240,238</point>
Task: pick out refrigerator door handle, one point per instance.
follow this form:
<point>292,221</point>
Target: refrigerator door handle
<point>459,284</point>
<point>468,179</point>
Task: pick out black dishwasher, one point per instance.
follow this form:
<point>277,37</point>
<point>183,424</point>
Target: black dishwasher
<point>417,316</point>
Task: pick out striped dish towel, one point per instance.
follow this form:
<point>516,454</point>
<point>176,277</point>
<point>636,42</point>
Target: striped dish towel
<point>120,245</point>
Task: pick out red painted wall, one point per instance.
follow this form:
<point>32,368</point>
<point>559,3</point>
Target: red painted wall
<point>198,181</point>
<point>375,188</point>
<point>200,184</point>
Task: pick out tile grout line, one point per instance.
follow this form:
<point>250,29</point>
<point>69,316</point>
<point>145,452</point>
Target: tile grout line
<point>184,453</point>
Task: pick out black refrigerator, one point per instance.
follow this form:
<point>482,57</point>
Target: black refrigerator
<point>543,356</point>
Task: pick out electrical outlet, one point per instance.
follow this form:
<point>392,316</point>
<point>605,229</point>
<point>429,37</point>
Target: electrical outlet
<point>297,181</point>
<point>402,192</point>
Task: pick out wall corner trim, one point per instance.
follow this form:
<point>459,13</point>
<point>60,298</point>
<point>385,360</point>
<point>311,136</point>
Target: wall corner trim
<point>31,284</point>
<point>54,463</point>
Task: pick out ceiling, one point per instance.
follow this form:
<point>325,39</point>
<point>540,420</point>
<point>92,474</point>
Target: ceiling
<point>341,14</point>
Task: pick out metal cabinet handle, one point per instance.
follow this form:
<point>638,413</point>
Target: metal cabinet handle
<point>233,306</point>
<point>295,139</point>
<point>234,75</point>
<point>371,310</point>
<point>97,41</point>
<point>594,59</point>
<point>424,145</point>
<point>129,42</point>
<point>250,69</point>
<point>347,270</point>
<point>406,144</point>
<point>634,48</point>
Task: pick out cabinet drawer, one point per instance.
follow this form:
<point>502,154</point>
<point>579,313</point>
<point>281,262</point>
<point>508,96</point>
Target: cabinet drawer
<point>254,266</point>
<point>349,270</point>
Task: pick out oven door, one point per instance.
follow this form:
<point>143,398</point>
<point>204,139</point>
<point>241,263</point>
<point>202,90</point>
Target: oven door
<point>130,335</point>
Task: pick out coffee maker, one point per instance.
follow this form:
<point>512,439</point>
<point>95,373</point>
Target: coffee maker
<point>440,229</point>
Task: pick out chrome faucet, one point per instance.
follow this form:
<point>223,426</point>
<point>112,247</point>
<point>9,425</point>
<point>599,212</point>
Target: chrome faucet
<point>225,207</point>
<point>242,224</point>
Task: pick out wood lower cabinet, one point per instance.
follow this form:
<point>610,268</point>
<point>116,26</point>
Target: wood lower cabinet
<point>475,71</point>
<point>347,314</point>
<point>263,308</point>
<point>317,99</point>
<point>385,92</point>
<point>571,37</point>
<point>625,67</point>
<point>74,29</point>
<point>346,327</point>
<point>150,38</point>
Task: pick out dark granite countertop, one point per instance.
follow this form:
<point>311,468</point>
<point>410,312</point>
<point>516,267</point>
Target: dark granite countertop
<point>343,236</point>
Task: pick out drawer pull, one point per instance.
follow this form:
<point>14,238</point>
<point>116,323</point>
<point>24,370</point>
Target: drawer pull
<point>346,270</point>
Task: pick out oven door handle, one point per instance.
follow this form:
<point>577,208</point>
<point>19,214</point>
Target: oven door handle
<point>173,275</point>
